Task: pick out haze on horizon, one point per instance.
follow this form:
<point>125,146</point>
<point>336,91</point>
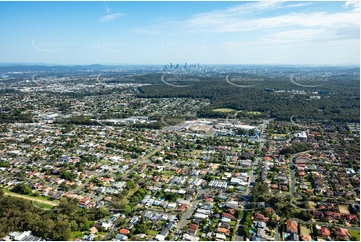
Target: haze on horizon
<point>157,33</point>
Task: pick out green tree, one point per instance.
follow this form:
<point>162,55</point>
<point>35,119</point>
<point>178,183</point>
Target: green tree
<point>127,209</point>
<point>22,188</point>
<point>68,176</point>
<point>260,189</point>
<point>130,185</point>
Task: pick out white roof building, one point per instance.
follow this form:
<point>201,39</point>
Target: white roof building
<point>160,237</point>
<point>301,135</point>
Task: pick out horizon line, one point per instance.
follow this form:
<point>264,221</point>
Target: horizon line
<point>133,64</point>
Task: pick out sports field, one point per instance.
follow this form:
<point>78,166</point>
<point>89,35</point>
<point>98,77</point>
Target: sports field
<point>223,110</point>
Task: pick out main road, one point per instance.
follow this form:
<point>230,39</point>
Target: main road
<point>262,141</point>
<point>188,213</point>
<point>252,177</point>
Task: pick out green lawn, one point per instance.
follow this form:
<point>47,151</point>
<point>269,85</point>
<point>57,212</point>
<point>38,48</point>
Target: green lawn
<point>305,230</point>
<point>30,196</point>
<point>309,185</point>
<point>233,223</point>
<point>167,172</point>
<point>152,232</point>
<point>223,110</point>
<point>279,135</point>
<point>43,205</point>
<point>74,235</point>
<point>355,233</point>
<point>343,209</point>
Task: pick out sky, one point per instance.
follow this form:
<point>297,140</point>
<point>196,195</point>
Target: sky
<point>159,33</point>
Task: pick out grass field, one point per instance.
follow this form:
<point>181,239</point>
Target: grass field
<point>42,205</point>
<point>343,209</point>
<point>167,173</point>
<point>125,199</point>
<point>305,230</point>
<point>223,110</point>
<point>152,232</point>
<point>101,234</point>
<point>355,233</point>
<point>279,135</point>
<point>75,234</point>
<point>29,197</point>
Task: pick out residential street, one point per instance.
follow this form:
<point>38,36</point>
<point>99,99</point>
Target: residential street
<point>325,224</point>
<point>188,213</point>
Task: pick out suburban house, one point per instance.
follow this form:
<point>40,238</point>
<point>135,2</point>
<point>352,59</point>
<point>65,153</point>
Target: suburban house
<point>292,226</point>
<point>325,232</point>
<point>342,234</point>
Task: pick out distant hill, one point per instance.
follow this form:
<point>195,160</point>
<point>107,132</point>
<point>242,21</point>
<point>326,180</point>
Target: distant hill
<point>26,68</point>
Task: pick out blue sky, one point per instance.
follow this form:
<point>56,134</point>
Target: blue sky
<point>325,33</point>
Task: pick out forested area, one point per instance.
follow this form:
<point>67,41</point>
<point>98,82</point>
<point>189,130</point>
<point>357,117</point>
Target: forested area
<point>14,116</point>
<point>296,148</point>
<point>17,214</point>
<point>339,99</point>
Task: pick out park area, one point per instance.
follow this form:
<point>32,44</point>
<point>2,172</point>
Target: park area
<point>343,209</point>
<point>223,110</point>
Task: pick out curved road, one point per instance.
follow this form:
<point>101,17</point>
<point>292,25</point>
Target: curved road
<point>326,224</point>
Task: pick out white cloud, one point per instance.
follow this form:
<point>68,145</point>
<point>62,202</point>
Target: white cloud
<point>106,7</point>
<point>231,21</point>
<point>260,28</point>
<point>298,36</point>
<point>354,4</point>
<point>110,17</point>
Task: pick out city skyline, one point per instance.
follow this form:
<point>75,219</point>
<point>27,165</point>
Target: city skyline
<point>157,33</point>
